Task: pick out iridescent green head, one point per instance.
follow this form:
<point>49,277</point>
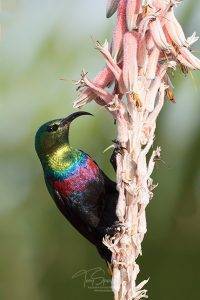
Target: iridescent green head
<point>54,133</point>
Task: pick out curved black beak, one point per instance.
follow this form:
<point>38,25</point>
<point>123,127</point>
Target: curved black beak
<point>73,116</point>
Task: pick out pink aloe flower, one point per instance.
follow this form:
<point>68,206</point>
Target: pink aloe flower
<point>144,37</point>
<point>147,40</point>
<point>174,29</point>
<point>130,64</point>
<point>119,29</point>
<point>102,80</point>
<point>133,9</point>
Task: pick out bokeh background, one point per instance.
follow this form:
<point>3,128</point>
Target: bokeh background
<point>43,41</point>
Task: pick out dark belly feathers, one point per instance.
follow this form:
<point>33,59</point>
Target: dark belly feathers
<point>88,200</point>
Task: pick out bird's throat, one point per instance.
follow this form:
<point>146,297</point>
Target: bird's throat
<point>63,162</point>
<point>60,159</point>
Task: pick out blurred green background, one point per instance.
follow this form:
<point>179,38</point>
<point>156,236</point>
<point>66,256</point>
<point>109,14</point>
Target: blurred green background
<point>43,41</point>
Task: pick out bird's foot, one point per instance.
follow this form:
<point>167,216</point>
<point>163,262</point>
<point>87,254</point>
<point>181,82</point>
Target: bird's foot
<point>118,146</point>
<point>117,150</point>
<point>113,229</point>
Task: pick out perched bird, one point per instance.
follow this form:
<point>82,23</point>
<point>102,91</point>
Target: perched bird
<point>80,189</point>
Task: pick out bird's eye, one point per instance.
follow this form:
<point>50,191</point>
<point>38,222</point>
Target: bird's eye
<point>52,128</point>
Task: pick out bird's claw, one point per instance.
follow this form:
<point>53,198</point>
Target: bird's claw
<point>117,150</point>
<point>118,146</point>
<point>117,227</point>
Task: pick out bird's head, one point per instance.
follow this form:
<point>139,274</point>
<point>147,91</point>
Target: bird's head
<point>54,133</point>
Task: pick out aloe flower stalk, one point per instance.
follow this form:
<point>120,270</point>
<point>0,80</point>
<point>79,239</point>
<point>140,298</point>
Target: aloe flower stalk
<point>147,41</point>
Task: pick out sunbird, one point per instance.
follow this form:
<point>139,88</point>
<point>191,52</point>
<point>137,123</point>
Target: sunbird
<point>82,192</point>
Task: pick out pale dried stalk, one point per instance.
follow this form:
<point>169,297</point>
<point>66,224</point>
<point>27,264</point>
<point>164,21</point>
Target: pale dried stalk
<point>147,40</point>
